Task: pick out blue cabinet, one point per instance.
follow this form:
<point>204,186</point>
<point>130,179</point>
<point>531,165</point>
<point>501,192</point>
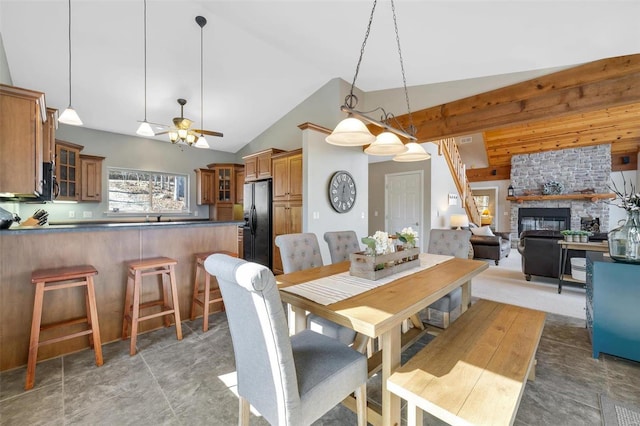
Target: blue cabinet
<point>613,306</point>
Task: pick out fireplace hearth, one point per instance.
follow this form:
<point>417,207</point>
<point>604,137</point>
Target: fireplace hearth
<point>552,219</point>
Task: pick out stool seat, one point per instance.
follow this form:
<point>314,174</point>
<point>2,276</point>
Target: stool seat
<point>210,294</point>
<point>58,279</point>
<point>136,271</point>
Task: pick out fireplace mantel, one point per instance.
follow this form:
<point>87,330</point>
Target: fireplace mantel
<point>592,197</point>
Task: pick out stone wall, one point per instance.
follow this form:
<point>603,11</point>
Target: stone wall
<point>576,169</point>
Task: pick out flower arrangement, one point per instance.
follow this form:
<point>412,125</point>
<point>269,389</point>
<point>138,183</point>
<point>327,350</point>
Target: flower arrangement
<point>379,243</point>
<point>408,236</point>
<point>630,201</point>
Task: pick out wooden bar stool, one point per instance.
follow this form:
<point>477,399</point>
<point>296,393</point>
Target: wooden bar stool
<point>164,267</point>
<point>58,279</point>
<point>209,294</point>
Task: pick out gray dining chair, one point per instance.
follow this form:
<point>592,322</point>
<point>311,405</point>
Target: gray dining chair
<point>449,242</point>
<point>288,380</point>
<point>341,244</point>
<point>300,252</point>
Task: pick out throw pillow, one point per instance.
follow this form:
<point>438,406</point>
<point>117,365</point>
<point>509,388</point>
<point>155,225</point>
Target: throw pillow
<point>483,230</point>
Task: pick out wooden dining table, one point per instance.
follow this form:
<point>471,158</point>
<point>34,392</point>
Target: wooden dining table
<point>380,312</point>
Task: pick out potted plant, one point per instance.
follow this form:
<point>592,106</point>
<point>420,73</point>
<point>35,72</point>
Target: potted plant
<point>584,236</point>
<point>568,234</point>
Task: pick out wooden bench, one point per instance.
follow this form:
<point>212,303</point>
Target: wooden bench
<point>475,371</point>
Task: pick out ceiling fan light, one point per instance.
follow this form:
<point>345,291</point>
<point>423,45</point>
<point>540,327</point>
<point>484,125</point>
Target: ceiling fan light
<point>173,136</point>
<point>415,152</point>
<point>350,132</point>
<point>191,138</point>
<point>145,129</point>
<point>182,134</point>
<point>386,143</point>
<point>201,142</point>
<point>70,116</point>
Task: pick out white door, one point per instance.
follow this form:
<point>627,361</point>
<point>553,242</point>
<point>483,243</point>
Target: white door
<point>403,202</point>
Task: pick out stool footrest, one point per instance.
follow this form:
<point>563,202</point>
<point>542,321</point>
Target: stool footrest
<point>158,314</point>
<point>79,320</point>
<point>67,337</point>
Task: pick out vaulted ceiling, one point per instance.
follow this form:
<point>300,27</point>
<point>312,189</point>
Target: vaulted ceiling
<point>595,103</point>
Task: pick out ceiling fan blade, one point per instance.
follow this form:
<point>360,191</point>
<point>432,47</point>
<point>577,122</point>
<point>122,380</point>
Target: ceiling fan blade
<point>208,132</point>
<point>162,133</point>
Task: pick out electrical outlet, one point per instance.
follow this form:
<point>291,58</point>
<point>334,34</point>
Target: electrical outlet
<point>72,214</point>
<point>195,212</point>
<point>87,214</point>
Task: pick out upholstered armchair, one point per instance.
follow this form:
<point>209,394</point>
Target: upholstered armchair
<point>341,244</point>
<point>494,247</point>
<point>289,380</point>
<point>302,251</point>
<point>452,243</point>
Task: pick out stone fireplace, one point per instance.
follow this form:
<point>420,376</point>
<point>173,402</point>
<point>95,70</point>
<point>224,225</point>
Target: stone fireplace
<point>577,169</point>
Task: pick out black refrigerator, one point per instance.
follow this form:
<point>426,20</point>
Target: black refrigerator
<point>256,231</point>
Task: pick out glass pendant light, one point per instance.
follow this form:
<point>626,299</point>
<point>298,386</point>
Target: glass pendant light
<point>145,128</point>
<point>202,141</point>
<point>386,143</point>
<point>415,152</point>
<point>69,115</point>
<point>350,132</point>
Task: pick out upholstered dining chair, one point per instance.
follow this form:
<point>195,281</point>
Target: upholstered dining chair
<point>289,380</point>
<point>302,251</point>
<point>341,244</point>
<point>449,242</point>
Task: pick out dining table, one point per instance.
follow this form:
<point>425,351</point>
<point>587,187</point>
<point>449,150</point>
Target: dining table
<point>377,309</point>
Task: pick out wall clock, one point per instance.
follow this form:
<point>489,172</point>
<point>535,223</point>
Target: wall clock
<point>342,191</point>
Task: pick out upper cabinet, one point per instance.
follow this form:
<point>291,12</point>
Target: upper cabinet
<point>239,185</point>
<point>22,118</point>
<point>91,177</point>
<point>258,166</point>
<point>68,170</point>
<point>49,136</point>
<point>287,176</point>
<point>205,187</point>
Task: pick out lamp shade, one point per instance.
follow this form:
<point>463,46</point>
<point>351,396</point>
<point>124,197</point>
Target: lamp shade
<point>70,116</point>
<point>386,143</point>
<point>459,221</point>
<point>415,152</point>
<point>145,129</point>
<point>350,132</point>
<point>201,142</point>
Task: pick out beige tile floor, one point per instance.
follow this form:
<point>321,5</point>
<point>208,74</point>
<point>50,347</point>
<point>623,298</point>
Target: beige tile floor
<point>191,382</point>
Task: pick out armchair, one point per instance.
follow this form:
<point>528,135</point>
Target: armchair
<point>495,247</point>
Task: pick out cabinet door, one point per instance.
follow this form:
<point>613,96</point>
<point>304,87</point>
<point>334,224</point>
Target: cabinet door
<point>239,186</point>
<point>68,171</point>
<point>295,177</point>
<point>264,165</point>
<point>205,186</point>
<point>49,136</point>
<point>250,169</point>
<point>280,179</point>
<point>280,219</point>
<point>91,178</point>
<point>224,184</point>
<point>295,218</point>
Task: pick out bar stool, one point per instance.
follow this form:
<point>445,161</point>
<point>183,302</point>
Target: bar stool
<point>58,279</point>
<point>209,294</point>
<point>162,266</point>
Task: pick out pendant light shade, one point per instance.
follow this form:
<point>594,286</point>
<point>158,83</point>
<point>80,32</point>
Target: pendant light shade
<point>145,129</point>
<point>350,132</point>
<point>201,142</point>
<point>414,152</point>
<point>386,143</point>
<point>70,116</point>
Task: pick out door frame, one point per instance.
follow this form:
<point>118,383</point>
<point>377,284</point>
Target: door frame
<point>420,191</point>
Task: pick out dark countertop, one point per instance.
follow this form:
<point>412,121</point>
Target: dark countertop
<point>112,226</point>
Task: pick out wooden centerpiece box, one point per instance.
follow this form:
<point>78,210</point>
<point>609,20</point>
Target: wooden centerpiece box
<point>374,267</point>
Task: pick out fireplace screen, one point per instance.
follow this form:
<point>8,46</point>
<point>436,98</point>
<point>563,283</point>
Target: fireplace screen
<point>551,219</point>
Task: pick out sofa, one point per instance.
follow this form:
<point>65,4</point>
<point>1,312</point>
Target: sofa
<point>541,253</point>
<point>494,247</point>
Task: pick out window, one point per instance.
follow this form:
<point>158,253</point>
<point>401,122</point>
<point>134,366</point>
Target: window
<point>482,202</point>
<point>139,191</point>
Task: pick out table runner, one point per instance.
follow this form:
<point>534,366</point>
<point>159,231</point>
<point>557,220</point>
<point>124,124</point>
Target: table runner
<point>335,288</point>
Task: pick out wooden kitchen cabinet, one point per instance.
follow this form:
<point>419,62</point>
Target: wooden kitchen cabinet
<point>205,186</point>
<point>287,219</point>
<point>258,166</point>
<point>68,170</point>
<point>22,118</point>
<point>91,177</point>
<point>225,191</point>
<point>49,136</point>
<point>287,176</point>
<point>239,185</point>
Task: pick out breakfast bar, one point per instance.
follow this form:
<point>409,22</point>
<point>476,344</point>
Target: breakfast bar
<point>107,247</point>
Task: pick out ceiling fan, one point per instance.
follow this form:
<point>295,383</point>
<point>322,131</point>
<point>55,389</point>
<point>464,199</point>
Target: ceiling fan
<point>182,131</point>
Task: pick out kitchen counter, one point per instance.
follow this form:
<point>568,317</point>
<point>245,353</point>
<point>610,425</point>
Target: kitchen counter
<point>108,247</point>
<point>110,226</point>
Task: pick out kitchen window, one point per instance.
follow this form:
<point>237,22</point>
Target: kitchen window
<point>143,192</point>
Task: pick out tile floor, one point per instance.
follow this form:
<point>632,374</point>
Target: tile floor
<point>191,382</point>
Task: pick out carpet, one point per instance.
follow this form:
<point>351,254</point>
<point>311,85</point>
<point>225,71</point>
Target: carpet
<point>615,413</point>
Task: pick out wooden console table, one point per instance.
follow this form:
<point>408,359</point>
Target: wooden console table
<point>565,246</point>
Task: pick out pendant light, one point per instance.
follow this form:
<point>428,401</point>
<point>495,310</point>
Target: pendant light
<point>69,115</point>
<point>386,143</point>
<point>415,152</point>
<point>201,142</point>
<point>145,128</point>
<point>352,131</point>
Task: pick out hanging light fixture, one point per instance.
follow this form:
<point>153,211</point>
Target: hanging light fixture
<point>69,115</point>
<point>415,152</point>
<point>202,142</point>
<point>352,131</point>
<point>145,128</point>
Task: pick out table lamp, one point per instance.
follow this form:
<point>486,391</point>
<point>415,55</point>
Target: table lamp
<point>459,221</point>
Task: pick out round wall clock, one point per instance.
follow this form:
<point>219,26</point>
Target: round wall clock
<point>342,191</point>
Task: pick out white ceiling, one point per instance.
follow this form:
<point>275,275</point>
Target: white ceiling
<point>262,58</point>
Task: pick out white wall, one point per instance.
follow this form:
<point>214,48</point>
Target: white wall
<point>320,161</point>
